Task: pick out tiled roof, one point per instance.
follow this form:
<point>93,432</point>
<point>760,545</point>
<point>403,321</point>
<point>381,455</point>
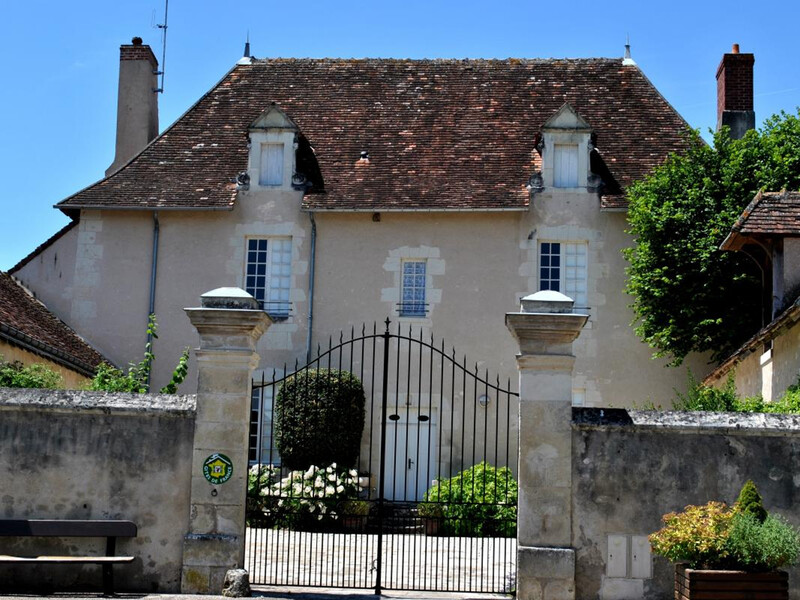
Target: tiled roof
<point>26,322</point>
<point>775,213</point>
<point>441,134</point>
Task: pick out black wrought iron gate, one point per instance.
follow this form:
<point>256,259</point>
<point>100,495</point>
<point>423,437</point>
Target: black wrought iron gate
<point>429,504</point>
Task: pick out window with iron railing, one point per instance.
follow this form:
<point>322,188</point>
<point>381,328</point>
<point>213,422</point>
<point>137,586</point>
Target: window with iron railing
<point>413,289</point>
<point>268,274</point>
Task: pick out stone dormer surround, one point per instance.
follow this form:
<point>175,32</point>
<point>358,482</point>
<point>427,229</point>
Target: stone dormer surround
<point>565,127</point>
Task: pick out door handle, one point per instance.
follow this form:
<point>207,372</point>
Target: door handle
<point>410,463</point>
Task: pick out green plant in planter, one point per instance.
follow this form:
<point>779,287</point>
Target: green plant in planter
<point>696,536</point>
<point>354,508</point>
<point>430,510</point>
<point>762,546</point>
<point>750,502</point>
<point>715,536</point>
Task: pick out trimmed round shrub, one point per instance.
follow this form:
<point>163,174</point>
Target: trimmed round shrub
<point>750,502</point>
<point>319,417</point>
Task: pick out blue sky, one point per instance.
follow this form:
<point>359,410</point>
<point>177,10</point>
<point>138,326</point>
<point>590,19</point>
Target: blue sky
<point>59,65</point>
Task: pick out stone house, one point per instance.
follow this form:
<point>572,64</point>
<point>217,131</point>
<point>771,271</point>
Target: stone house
<point>340,192</point>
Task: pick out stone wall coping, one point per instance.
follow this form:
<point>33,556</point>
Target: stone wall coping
<point>688,422</point>
<point>102,402</point>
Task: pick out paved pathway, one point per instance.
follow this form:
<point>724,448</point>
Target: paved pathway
<point>416,562</point>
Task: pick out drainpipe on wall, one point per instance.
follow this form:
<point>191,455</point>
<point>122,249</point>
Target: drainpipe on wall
<point>311,285</point>
<point>153,270</point>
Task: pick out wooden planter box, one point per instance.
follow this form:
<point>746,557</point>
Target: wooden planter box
<point>696,584</point>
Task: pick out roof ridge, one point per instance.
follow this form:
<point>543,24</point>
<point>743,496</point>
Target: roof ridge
<point>442,60</point>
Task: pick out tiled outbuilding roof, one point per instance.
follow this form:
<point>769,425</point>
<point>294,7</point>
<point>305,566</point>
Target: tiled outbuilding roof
<point>441,134</point>
<point>771,213</point>
<point>26,322</point>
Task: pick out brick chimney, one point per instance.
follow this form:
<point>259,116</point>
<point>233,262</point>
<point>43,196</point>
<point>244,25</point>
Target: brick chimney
<point>137,101</point>
<point>735,92</point>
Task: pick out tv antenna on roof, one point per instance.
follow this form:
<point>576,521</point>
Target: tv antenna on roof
<point>163,28</point>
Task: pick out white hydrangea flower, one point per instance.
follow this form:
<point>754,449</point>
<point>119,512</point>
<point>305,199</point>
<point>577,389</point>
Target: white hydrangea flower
<point>340,488</point>
<point>329,490</point>
<point>352,473</point>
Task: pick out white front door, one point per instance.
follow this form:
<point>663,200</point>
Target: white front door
<point>411,450</point>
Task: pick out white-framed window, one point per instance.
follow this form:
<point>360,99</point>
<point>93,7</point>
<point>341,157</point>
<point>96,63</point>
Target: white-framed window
<point>413,301</point>
<point>562,268</point>
<point>271,171</point>
<point>565,166</point>
<point>261,446</point>
<point>268,274</point>
<point>578,396</point>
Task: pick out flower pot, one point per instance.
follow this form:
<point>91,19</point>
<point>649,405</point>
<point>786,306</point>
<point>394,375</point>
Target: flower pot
<point>354,523</point>
<point>702,584</point>
<point>432,525</point>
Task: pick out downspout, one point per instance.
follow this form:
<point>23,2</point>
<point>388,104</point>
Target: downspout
<point>311,285</point>
<point>153,270</point>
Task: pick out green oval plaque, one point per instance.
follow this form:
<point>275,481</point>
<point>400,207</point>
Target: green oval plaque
<point>217,468</point>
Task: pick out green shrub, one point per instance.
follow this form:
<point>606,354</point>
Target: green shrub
<point>750,502</point>
<point>111,379</point>
<point>757,546</point>
<point>16,375</point>
<point>478,502</point>
<point>319,417</point>
<point>701,397</point>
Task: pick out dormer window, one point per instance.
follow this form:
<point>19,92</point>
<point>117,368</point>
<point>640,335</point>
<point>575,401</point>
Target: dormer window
<point>272,149</point>
<point>565,166</point>
<point>566,140</point>
<point>271,172</point>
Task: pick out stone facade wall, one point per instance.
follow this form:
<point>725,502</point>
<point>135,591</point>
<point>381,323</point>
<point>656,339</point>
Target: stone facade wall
<point>631,467</point>
<point>92,455</point>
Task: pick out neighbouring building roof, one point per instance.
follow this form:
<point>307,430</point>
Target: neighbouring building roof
<point>772,214</point>
<point>441,134</point>
<point>26,322</point>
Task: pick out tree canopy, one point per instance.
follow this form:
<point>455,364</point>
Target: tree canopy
<point>689,296</point>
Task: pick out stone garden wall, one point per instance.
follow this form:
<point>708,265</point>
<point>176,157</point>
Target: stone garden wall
<point>93,455</point>
<point>631,467</point>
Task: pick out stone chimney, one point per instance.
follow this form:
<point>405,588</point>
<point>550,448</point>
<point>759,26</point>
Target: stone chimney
<point>735,93</point>
<point>137,101</point>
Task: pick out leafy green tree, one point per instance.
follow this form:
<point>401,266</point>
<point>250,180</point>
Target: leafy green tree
<point>16,375</point>
<point>689,296</point>
<point>111,379</point>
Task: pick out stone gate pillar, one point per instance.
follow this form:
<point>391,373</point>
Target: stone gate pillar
<point>229,323</point>
<point>545,328</point>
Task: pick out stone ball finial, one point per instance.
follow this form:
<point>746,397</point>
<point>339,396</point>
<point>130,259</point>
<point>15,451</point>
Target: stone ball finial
<point>137,41</point>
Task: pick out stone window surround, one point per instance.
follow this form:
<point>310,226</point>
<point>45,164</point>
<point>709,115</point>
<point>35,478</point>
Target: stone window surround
<point>279,335</point>
<point>434,268</point>
<point>275,135</point>
<point>565,137</point>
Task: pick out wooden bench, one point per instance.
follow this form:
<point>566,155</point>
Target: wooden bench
<point>110,530</point>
